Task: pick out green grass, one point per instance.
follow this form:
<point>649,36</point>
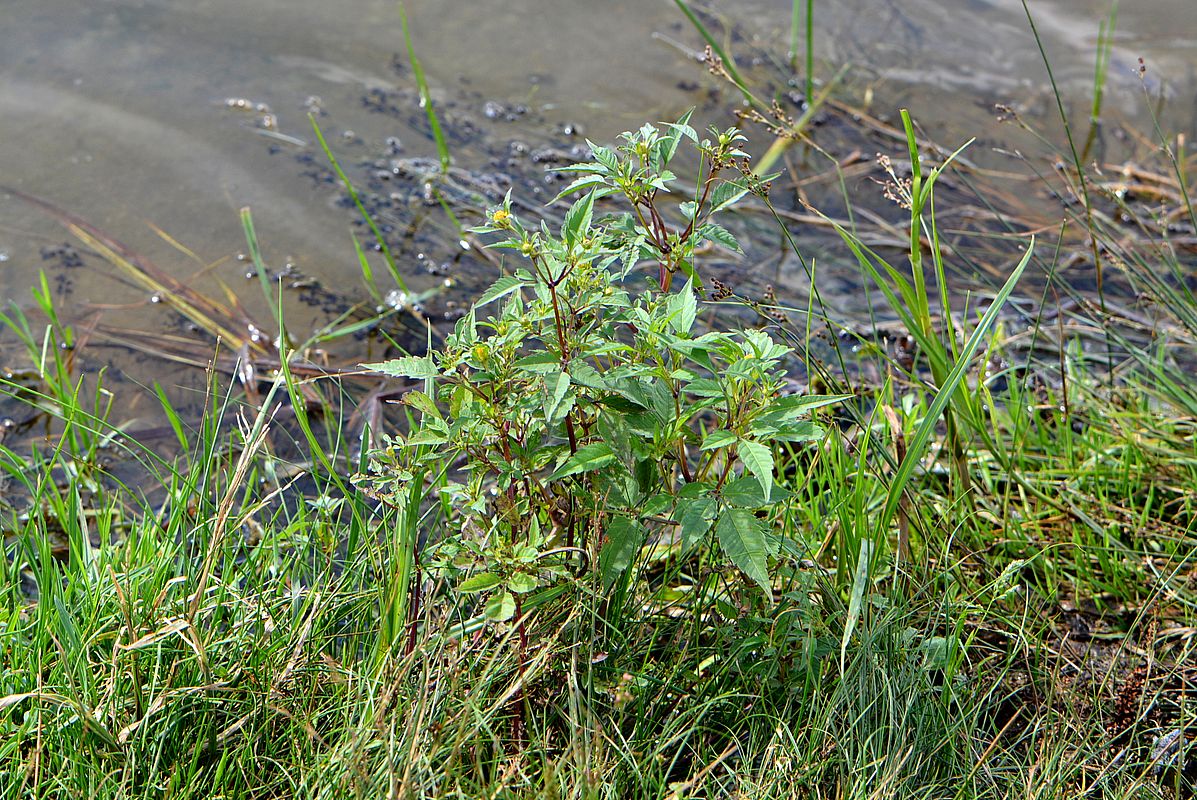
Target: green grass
<point>121,681</point>
<point>232,642</point>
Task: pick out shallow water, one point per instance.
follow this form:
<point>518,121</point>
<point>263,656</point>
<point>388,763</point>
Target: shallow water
<point>118,110</point>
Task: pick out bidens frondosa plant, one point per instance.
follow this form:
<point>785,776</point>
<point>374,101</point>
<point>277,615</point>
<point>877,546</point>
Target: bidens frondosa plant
<point>571,420</point>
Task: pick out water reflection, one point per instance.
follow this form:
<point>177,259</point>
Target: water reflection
<point>120,110</point>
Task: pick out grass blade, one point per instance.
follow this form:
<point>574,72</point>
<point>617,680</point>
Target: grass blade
<point>357,201</point>
<point>438,135</point>
<point>922,435</point>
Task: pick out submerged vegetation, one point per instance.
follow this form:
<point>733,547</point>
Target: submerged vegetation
<point>627,530</point>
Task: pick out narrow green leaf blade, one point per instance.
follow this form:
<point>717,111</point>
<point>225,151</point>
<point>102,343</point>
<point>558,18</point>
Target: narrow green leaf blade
<point>860,582</point>
<point>918,442</point>
<point>438,135</point>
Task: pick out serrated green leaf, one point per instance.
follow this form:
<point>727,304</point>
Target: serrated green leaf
<point>604,156</point>
<point>683,307</point>
<point>669,142</point>
<point>720,437</point>
<point>428,436</point>
<point>556,388</point>
<point>540,363</point>
<point>742,538</point>
<point>577,220</point>
<point>589,457</point>
<point>620,404</point>
<point>500,288</point>
<point>624,537</point>
<point>695,518</point>
<point>406,367</point>
<point>651,395</point>
<point>630,254</point>
<point>758,458</point>
<point>585,375</point>
<point>804,431</point>
<point>580,183</point>
<point>726,194</point>
<point>745,492</point>
<point>715,232</point>
<point>479,583</point>
<point>705,387</point>
<point>793,405</point>
<point>657,504</point>
<point>422,403</point>
<point>696,489</point>
<point>501,607</point>
<point>522,582</point>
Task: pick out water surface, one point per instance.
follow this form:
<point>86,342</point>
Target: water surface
<point>129,113</point>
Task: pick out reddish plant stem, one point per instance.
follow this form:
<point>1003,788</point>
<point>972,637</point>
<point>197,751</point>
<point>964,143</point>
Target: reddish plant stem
<point>413,611</point>
<point>518,723</point>
<point>559,324</point>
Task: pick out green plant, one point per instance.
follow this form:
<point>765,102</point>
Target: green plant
<point>585,419</point>
<point>76,441</point>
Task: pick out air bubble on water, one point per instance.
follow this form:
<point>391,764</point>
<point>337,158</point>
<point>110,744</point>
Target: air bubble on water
<point>155,298</point>
<point>397,298</point>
